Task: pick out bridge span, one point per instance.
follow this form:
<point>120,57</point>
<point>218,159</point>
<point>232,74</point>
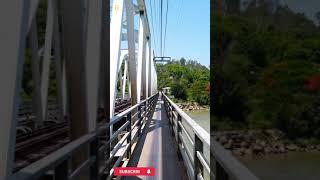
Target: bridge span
<point>75,54</point>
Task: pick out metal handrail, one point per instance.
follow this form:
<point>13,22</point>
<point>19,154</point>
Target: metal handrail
<point>149,105</point>
<point>58,160</point>
<point>226,166</point>
<point>201,133</point>
<point>200,139</point>
<point>38,168</point>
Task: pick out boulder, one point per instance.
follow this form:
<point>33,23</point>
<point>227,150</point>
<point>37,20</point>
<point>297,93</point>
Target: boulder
<point>267,150</point>
<point>248,151</point>
<point>238,152</point>
<point>244,144</point>
<point>257,148</point>
<point>292,147</point>
<point>223,140</point>
<point>227,145</point>
<point>263,143</point>
<point>282,149</point>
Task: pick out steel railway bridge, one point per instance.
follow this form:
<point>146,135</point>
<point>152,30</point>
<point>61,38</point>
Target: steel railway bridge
<point>81,133</point>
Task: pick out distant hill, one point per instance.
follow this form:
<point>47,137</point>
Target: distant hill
<point>267,72</point>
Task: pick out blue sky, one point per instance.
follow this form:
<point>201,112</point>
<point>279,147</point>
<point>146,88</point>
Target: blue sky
<point>188,28</point>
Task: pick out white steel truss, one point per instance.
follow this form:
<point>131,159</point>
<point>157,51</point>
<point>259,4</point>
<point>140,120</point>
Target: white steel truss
<point>75,42</point>
<point>139,70</point>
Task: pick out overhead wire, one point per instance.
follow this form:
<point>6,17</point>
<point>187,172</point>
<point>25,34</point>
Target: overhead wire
<point>179,12</point>
<point>156,26</point>
<point>165,29</point>
<point>152,23</point>
<point>161,7</point>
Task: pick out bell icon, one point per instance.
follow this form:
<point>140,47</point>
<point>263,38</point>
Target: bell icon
<point>148,171</point>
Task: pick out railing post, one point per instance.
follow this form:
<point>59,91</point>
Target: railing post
<point>178,129</point>
<point>94,152</point>
<point>107,149</point>
<point>61,171</point>
<point>140,120</point>
<point>178,137</point>
<point>148,105</point>
<point>172,123</point>
<point>145,111</point>
<point>198,146</point>
<point>168,110</point>
<point>220,172</point>
<point>171,115</point>
<point>129,129</point>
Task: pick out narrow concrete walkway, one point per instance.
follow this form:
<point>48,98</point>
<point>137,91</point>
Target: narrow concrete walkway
<point>157,148</point>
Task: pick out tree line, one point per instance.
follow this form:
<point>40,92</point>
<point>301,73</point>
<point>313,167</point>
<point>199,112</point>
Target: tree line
<point>267,72</point>
<point>189,80</point>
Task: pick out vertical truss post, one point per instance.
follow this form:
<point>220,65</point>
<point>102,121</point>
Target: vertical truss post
<point>131,52</point>
<point>36,97</point>
<point>150,59</point>
<point>64,88</point>
<point>152,73</point>
<point>74,52</point>
<point>115,38</point>
<point>92,61</point>
<point>145,66</point>
<point>155,80</point>
<point>59,63</point>
<point>46,60</point>
<point>141,53</point>
<point>32,12</point>
<point>12,44</point>
<point>105,51</point>
<point>104,93</point>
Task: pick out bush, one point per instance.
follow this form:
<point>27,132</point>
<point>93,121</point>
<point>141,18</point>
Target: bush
<point>179,91</point>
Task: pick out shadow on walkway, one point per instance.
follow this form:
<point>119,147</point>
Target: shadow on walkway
<point>157,148</point>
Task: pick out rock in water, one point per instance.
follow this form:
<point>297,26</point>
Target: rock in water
<point>292,147</point>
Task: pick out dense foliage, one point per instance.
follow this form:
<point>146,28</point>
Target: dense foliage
<point>266,72</point>
<point>188,80</point>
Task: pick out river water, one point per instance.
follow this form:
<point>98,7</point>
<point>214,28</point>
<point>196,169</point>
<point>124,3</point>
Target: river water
<point>202,118</point>
<point>290,166</point>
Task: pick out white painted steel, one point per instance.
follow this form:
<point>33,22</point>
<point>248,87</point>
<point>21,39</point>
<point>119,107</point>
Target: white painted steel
<point>132,69</point>
<point>12,44</point>
<point>46,60</point>
<point>115,36</point>
<point>92,60</point>
<point>141,55</point>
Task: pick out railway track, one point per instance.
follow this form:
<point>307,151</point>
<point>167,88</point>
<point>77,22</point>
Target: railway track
<point>35,145</point>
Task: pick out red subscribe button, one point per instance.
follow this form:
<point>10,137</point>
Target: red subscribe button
<point>134,171</point>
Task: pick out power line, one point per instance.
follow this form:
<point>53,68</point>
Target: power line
<point>153,34</point>
<point>161,28</point>
<point>165,30</point>
<point>156,17</point>
<point>158,24</point>
<point>179,11</point>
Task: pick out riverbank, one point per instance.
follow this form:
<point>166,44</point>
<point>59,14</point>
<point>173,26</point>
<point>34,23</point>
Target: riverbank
<point>262,142</point>
<point>192,106</point>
